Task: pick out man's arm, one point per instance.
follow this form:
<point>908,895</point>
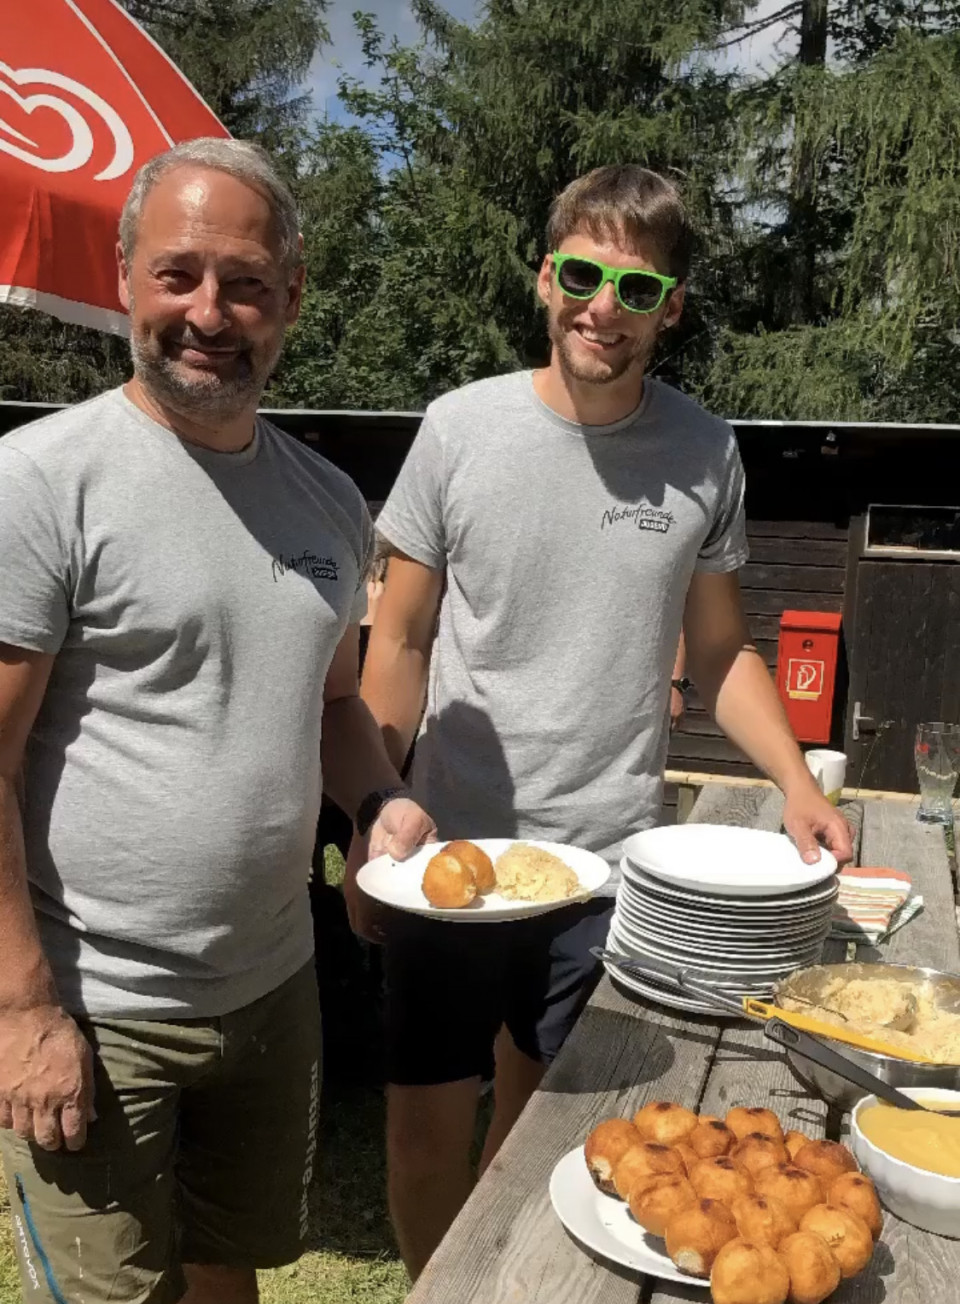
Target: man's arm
<point>398,656</point>
<point>734,686</point>
<point>46,1077</point>
<point>677,703</point>
<point>393,688</point>
<point>355,761</point>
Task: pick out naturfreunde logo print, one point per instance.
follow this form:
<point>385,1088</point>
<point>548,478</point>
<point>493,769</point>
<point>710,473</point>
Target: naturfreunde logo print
<point>641,517</point>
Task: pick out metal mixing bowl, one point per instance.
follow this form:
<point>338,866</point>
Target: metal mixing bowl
<point>809,985</point>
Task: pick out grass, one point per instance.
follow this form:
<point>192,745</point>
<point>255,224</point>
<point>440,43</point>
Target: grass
<point>351,1257</point>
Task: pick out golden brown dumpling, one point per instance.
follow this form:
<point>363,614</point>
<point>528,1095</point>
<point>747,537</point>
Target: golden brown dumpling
<point>763,1219</point>
<point>847,1235</point>
<point>664,1122</point>
<point>690,1157</point>
<point>792,1186</point>
<point>742,1120</point>
<point>711,1139</point>
<point>746,1273</point>
<point>641,1161</point>
<point>827,1160</point>
<point>695,1236</point>
<point>856,1192</point>
<point>469,854</point>
<point>720,1179</point>
<point>795,1141</point>
<point>654,1200</point>
<point>757,1151</point>
<point>448,883</point>
<point>605,1147</point>
<point>813,1270</point>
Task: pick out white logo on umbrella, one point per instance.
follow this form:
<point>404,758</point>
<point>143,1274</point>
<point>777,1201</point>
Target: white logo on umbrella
<point>81,148</point>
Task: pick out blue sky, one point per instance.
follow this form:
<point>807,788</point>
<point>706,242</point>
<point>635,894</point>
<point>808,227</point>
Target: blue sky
<point>396,19</point>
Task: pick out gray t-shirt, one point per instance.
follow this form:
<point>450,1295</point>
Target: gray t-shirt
<point>194,601</point>
<point>568,551</point>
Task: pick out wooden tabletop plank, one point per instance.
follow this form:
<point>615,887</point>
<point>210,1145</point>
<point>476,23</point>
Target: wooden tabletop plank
<point>508,1245</point>
<point>894,838</point>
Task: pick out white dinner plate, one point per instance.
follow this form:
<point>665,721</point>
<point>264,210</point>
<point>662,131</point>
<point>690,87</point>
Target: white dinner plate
<point>747,907</point>
<point>397,882</point>
<point>605,1225</point>
<point>665,997</point>
<point>726,861</point>
<point>673,999</point>
<point>735,959</point>
<point>753,938</point>
<point>699,952</point>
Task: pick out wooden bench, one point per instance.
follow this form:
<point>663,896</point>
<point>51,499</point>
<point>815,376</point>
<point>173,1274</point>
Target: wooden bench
<point>508,1247</point>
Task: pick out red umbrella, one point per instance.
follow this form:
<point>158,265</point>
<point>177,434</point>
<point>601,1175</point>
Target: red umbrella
<point>86,97</point>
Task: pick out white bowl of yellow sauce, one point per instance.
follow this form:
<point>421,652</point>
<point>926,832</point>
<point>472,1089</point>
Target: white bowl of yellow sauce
<point>913,1157</point>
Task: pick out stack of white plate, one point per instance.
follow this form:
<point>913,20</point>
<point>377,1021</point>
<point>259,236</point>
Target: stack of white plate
<point>737,908</point>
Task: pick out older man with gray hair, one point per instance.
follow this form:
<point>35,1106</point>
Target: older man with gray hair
<point>179,605</point>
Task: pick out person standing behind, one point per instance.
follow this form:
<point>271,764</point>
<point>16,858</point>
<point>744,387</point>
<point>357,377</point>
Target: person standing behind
<point>180,599</point>
<point>566,523</point>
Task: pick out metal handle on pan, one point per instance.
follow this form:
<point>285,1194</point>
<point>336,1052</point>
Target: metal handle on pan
<point>650,967</point>
<point>814,1049</point>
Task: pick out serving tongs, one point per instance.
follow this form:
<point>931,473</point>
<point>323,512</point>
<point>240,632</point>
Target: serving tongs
<point>785,1027</point>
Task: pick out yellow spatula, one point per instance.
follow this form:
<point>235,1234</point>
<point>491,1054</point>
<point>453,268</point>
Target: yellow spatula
<point>762,1010</point>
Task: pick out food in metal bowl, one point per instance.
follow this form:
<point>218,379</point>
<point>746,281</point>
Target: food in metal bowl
<point>807,987</point>
<point>903,1013</point>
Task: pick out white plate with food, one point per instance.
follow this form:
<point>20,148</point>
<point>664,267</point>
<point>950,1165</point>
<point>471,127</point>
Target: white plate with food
<point>605,1224</point>
<point>723,860</point>
<point>530,878</point>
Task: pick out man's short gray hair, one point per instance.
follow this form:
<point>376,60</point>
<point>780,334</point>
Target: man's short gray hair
<point>238,158</point>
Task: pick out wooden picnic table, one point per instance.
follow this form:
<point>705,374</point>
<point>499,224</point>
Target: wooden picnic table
<point>508,1247</point>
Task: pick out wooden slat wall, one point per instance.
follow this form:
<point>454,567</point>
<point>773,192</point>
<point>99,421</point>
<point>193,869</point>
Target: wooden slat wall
<point>794,565</point>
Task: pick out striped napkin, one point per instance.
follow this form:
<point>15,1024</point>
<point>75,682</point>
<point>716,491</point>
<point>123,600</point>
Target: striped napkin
<point>873,903</point>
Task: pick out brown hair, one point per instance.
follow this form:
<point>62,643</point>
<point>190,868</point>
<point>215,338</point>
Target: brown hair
<point>629,203</point>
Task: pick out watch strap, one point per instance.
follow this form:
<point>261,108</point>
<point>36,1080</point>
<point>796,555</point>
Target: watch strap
<point>371,806</point>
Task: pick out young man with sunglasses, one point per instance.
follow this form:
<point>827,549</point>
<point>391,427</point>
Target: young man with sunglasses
<point>564,524</point>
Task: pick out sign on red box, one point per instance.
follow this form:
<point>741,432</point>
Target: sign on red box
<point>807,657</point>
<point>805,679</point>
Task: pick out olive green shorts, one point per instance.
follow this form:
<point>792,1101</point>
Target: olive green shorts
<point>202,1152</point>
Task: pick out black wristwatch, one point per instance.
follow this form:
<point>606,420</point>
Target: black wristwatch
<point>681,685</point>
<point>371,806</point>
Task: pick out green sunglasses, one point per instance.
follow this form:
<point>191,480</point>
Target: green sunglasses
<point>636,289</point>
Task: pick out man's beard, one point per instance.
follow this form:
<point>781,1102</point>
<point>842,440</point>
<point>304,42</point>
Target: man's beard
<point>199,393</point>
<point>593,370</point>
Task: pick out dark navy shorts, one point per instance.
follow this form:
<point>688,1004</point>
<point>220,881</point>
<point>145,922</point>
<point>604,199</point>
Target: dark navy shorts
<point>450,987</point>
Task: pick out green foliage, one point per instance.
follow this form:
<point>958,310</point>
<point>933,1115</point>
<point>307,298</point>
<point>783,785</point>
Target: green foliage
<point>247,58</point>
<point>880,139</point>
<point>826,194</point>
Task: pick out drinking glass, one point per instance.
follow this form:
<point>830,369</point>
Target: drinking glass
<point>937,757</point>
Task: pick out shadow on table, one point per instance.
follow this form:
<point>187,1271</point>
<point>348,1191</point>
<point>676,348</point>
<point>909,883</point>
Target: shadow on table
<point>868,1287</point>
<point>611,1050</point>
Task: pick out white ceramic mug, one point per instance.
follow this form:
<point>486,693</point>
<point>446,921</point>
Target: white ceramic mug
<point>829,769</point>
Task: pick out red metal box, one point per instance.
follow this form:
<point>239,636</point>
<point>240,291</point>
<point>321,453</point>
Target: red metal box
<point>807,671</point>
